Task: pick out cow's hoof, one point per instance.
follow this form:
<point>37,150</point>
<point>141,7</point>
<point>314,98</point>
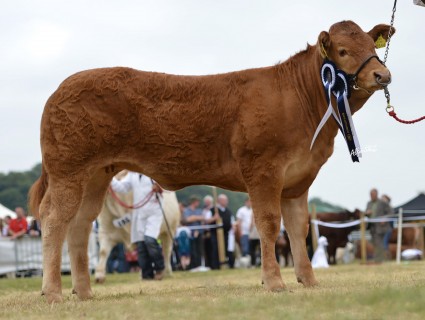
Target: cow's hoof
<point>100,280</point>
<point>83,294</point>
<point>308,282</point>
<point>274,285</point>
<point>52,297</point>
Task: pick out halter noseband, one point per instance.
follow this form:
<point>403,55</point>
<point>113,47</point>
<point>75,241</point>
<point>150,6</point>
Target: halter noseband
<point>352,78</point>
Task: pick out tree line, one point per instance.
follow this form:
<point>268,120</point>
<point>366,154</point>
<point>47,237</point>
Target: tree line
<point>14,188</point>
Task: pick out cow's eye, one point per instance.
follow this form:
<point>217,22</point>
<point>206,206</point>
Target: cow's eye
<point>342,52</point>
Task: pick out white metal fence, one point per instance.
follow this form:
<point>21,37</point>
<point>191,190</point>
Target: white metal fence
<point>24,256</point>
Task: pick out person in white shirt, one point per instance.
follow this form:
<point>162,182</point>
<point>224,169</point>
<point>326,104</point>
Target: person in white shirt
<point>208,204</point>
<point>207,214</point>
<point>145,221</point>
<point>244,221</point>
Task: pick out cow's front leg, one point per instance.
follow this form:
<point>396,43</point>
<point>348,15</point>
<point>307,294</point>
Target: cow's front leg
<point>167,248</point>
<point>295,218</point>
<point>267,217</point>
<point>105,247</point>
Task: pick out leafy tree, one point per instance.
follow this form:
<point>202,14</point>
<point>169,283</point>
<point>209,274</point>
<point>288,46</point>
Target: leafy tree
<point>14,187</point>
<point>323,206</point>
<point>12,198</point>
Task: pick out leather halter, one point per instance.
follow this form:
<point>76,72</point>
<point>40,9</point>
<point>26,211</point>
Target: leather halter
<point>352,78</point>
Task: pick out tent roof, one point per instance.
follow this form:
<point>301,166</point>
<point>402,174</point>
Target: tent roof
<point>417,203</point>
<point>6,212</point>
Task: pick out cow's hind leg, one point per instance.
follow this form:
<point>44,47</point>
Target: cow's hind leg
<point>267,217</point>
<point>58,207</point>
<point>79,232</point>
<point>295,218</point>
<point>167,249</point>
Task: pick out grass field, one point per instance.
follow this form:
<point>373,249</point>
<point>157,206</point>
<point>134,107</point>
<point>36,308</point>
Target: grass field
<point>387,291</point>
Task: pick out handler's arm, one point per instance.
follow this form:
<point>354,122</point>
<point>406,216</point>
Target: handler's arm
<point>122,186</point>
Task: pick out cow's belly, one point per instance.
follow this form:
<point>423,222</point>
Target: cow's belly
<point>174,175</point>
<point>300,175</point>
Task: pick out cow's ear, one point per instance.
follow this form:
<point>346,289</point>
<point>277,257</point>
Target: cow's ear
<point>323,43</point>
<point>379,34</point>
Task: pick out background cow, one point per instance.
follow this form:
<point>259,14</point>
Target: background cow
<point>337,237</point>
<point>409,240</point>
<point>109,235</point>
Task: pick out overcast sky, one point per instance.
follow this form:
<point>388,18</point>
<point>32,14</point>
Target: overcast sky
<point>43,42</point>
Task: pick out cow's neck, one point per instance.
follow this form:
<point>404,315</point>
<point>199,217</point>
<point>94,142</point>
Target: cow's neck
<point>305,71</point>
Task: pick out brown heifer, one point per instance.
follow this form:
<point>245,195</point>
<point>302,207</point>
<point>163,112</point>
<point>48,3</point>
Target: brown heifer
<point>246,131</point>
<point>409,239</point>
<point>337,237</point>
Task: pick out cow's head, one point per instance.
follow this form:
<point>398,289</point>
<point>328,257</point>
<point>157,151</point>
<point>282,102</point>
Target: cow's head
<point>349,47</point>
<point>356,214</point>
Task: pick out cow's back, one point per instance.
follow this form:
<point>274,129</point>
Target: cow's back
<point>183,124</point>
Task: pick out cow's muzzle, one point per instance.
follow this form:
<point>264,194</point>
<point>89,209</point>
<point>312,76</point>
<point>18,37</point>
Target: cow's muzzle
<point>383,78</point>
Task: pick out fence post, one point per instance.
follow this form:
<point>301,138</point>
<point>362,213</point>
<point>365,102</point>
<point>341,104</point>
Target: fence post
<point>313,227</point>
<point>420,244</point>
<point>399,234</point>
<point>363,252</point>
<point>220,233</point>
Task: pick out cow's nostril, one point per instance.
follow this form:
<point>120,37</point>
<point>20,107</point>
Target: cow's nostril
<point>383,79</point>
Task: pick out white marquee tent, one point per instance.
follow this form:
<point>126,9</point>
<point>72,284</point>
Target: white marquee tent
<point>6,212</point>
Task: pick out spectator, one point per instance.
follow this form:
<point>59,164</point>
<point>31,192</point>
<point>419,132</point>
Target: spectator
<point>5,229</point>
<point>387,236</point>
<point>34,229</point>
<point>244,220</point>
<point>145,222</point>
<point>227,217</point>
<point>183,236</point>
<point>254,244</point>
<point>377,208</point>
<point>181,208</point>
<point>206,212</point>
<point>208,204</point>
<point>192,216</point>
<point>117,261</point>
<point>19,226</point>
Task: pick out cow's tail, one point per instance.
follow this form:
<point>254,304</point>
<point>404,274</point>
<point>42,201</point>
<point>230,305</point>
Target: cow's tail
<point>37,192</point>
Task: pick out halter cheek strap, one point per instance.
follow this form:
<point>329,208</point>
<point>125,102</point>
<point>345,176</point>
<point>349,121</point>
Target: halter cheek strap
<point>352,78</point>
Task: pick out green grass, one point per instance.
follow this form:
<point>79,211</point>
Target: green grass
<point>387,291</point>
